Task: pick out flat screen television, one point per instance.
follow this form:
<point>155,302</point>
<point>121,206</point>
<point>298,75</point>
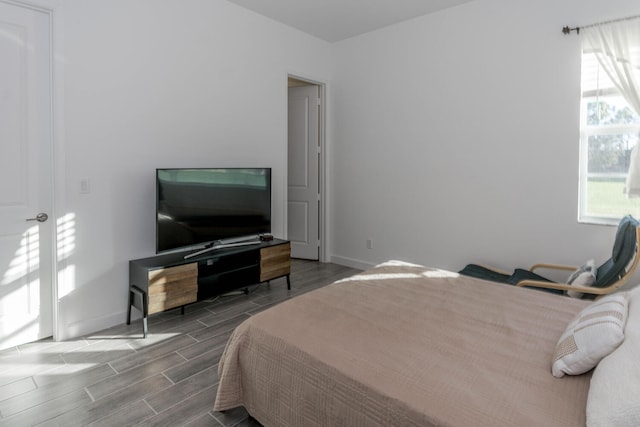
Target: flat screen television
<point>196,207</point>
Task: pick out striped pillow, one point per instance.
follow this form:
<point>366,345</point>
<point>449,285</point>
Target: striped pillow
<point>595,332</point>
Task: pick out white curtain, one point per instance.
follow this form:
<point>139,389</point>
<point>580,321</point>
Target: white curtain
<point>617,47</point>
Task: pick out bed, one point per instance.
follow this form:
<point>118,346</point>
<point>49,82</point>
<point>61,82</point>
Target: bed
<point>406,345</point>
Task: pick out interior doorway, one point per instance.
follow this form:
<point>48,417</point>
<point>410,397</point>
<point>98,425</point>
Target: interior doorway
<point>306,167</point>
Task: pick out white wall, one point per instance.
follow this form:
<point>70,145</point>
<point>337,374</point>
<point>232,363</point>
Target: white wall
<point>455,138</point>
<point>452,138</point>
<point>160,83</point>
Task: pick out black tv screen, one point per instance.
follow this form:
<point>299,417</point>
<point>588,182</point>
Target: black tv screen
<point>199,206</point>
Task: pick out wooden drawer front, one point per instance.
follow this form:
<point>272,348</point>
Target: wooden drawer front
<point>172,287</point>
<point>275,261</point>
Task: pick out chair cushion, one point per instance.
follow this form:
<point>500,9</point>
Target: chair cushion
<point>485,273</point>
<point>624,248</point>
<point>518,275</point>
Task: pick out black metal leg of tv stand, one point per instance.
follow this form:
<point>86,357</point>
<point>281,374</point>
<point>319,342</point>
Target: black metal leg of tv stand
<point>288,282</point>
<point>136,291</point>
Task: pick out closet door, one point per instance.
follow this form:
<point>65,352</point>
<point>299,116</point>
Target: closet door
<point>26,258</point>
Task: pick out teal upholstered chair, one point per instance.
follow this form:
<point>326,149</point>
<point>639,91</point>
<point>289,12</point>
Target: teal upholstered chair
<point>610,275</point>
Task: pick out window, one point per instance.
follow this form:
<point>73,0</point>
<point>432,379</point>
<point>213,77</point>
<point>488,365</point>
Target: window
<point>609,130</point>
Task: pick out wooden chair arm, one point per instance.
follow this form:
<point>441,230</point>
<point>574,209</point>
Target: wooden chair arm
<point>563,287</point>
<point>554,267</point>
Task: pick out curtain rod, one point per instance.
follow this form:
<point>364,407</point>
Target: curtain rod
<point>567,30</point>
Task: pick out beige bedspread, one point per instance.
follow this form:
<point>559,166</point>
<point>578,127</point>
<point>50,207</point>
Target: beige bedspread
<point>405,345</point>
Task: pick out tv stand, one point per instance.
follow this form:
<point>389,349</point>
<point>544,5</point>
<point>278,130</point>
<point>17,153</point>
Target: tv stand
<point>163,282</point>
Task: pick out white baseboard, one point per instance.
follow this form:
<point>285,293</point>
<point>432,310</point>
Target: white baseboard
<point>89,326</point>
<point>353,263</point>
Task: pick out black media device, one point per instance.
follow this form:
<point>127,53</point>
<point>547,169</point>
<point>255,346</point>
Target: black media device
<point>199,207</point>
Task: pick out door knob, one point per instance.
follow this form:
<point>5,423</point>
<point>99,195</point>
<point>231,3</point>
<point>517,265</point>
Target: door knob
<point>41,217</point>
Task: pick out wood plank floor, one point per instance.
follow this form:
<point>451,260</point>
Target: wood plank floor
<point>116,378</point>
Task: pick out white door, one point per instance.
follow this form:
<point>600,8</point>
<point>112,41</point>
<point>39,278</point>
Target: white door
<point>25,175</point>
<point>303,191</point>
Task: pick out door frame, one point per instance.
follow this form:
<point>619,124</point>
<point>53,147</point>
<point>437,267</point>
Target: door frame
<point>322,164</point>
<point>53,9</point>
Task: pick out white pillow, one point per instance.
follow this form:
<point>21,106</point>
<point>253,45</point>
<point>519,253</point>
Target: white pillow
<point>595,332</point>
<point>614,393</point>
<point>585,275</point>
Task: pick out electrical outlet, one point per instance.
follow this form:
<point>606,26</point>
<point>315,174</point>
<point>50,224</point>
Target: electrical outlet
<point>369,243</point>
<point>85,186</point>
